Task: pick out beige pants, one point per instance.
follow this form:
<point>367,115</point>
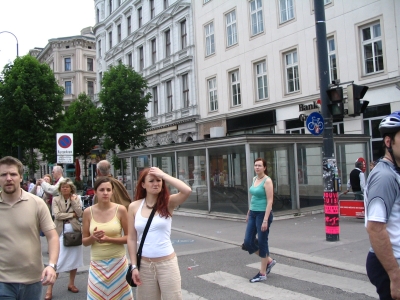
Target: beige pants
<point>159,279</point>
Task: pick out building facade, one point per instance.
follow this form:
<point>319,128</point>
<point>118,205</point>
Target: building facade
<point>72,59</point>
<point>258,66</point>
<point>155,38</point>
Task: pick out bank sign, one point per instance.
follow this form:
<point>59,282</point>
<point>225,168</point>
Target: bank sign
<point>305,107</point>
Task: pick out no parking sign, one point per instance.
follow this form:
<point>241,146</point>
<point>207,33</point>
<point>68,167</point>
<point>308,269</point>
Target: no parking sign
<point>65,146</point>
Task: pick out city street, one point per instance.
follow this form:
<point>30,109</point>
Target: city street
<point>214,267</point>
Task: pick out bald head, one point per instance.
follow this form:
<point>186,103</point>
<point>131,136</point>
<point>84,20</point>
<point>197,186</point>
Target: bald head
<point>103,168</point>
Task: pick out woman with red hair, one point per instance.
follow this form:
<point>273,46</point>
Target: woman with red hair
<point>159,274</point>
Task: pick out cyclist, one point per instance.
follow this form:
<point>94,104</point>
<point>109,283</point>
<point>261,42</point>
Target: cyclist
<point>382,213</point>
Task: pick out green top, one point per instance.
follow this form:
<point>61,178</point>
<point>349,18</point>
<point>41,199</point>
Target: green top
<point>258,196</point>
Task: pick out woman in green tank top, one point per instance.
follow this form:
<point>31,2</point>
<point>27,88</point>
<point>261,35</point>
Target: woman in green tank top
<point>259,219</point>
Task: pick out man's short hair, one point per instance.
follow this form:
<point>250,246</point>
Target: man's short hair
<point>358,164</point>
<point>12,161</point>
<point>58,169</point>
<point>104,167</point>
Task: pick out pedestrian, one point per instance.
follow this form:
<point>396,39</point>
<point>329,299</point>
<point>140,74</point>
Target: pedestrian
<point>120,194</point>
<point>58,177</point>
<point>102,230</point>
<point>372,164</point>
<point>356,181</point>
<point>22,216</point>
<point>259,218</point>
<point>67,209</point>
<point>382,213</point>
<point>32,183</point>
<point>159,274</point>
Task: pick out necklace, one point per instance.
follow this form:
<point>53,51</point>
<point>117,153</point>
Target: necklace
<point>389,159</point>
<point>148,206</point>
<point>259,178</point>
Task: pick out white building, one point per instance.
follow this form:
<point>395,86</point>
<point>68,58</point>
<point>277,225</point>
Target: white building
<point>257,63</point>
<point>154,37</point>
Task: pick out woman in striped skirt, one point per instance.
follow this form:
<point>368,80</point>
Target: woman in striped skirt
<point>102,230</point>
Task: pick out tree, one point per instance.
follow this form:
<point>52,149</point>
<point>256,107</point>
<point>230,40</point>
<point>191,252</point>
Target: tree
<point>82,119</point>
<point>124,105</point>
<point>30,106</point>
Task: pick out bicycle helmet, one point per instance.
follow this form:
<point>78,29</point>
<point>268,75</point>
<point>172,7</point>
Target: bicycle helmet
<point>390,124</point>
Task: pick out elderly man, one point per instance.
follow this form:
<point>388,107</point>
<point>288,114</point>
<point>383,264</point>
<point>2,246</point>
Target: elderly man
<point>22,216</point>
<point>120,194</point>
<point>58,177</point>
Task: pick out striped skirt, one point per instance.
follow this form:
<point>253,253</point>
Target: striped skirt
<point>107,280</point>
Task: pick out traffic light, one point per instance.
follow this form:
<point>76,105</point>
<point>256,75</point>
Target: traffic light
<point>335,105</point>
<point>355,93</point>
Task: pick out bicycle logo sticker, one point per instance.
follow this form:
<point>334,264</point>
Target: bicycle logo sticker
<point>315,123</point>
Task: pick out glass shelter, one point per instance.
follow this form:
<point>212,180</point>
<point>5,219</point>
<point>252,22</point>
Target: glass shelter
<point>220,170</point>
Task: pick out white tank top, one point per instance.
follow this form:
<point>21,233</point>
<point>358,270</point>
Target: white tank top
<point>158,238</point>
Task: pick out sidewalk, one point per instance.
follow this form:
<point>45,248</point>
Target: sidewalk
<point>301,237</point>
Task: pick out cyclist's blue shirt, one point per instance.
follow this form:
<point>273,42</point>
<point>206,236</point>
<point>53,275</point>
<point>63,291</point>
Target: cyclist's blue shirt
<point>258,196</point>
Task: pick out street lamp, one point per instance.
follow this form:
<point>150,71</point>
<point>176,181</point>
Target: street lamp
<point>19,148</point>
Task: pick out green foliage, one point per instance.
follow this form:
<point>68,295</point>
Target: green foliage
<point>124,105</point>
<point>30,106</point>
<point>117,162</point>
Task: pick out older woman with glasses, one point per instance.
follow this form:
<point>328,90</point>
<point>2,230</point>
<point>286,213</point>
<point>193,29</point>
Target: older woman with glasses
<point>67,209</point>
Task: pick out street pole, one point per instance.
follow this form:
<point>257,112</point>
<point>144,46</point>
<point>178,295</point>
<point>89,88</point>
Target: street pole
<point>19,148</point>
<point>331,206</point>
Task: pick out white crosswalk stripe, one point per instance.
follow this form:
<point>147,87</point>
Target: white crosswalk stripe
<point>190,296</point>
<point>261,291</point>
<point>344,283</point>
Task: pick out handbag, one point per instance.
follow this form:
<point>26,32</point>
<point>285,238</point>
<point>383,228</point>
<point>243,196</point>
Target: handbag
<point>71,239</point>
<point>128,276</point>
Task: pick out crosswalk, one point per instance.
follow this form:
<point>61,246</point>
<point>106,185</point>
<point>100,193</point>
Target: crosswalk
<point>269,292</point>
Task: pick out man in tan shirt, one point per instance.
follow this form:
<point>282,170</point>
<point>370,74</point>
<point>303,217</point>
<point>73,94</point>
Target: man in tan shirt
<point>120,194</point>
<point>22,216</point>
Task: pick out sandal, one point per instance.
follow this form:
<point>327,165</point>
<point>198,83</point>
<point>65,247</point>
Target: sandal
<point>73,289</point>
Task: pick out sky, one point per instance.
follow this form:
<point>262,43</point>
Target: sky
<point>34,22</point>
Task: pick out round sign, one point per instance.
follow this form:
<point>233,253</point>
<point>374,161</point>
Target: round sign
<point>315,123</point>
<point>64,141</point>
<point>364,164</point>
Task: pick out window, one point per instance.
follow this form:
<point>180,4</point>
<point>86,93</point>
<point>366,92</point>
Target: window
<point>169,96</point>
<point>167,43</point>
<point>332,59</point>
<point>327,2</point>
<point>261,78</point>
<point>212,94</point>
<point>205,1</point>
<point>286,10</point>
<point>68,88</point>
<point>166,5</point>
<point>152,9</point>
<point>90,88</point>
<point>67,63</point>
<point>292,72</point>
<point>110,6</point>
<point>129,25</point>
<point>119,32</point>
<point>235,85</point>
<point>183,35</point>
<point>185,91</point>
<point>231,31</point>
<point>100,77</point>
<point>372,48</point>
<point>99,42</point>
<point>141,59</point>
<point>98,15</point>
<point>256,17</point>
<point>210,46</point>
<point>90,64</point>
<point>110,40</point>
<point>130,60</point>
<point>140,17</point>
<point>153,51</point>
<point>155,102</point>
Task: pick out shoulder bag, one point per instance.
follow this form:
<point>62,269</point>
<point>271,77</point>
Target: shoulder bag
<point>128,276</point>
<point>71,239</point>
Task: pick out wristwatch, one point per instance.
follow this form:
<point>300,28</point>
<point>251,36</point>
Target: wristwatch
<point>134,267</point>
<point>54,266</point>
